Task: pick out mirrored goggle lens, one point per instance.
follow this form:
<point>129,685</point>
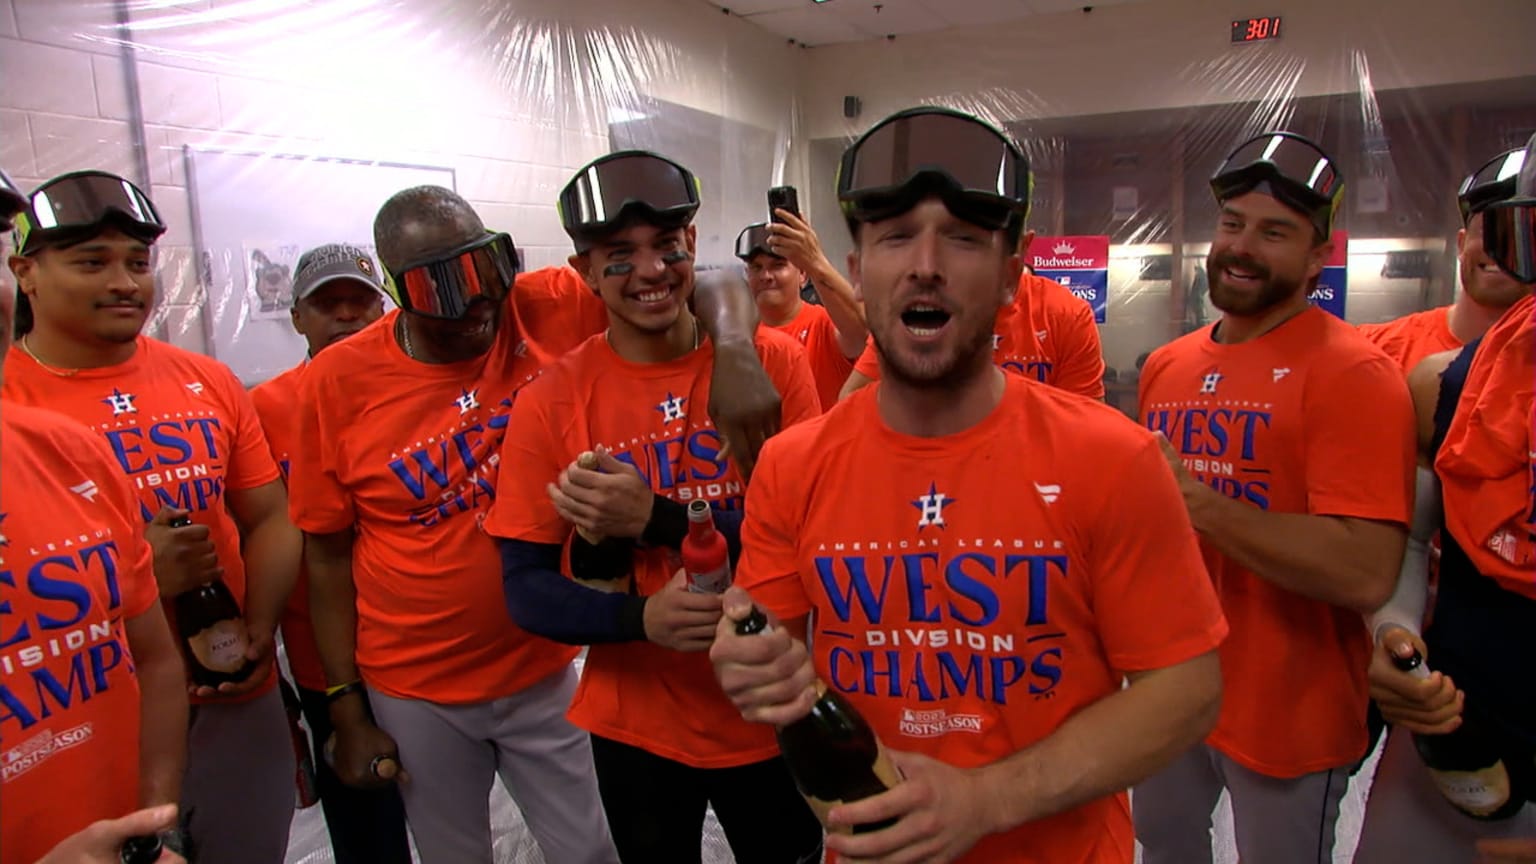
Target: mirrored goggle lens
<point>753,239</point>
<point>1495,181</point>
<point>970,153</point>
<point>1509,238</point>
<point>82,200</point>
<point>446,288</point>
<point>1293,159</point>
<point>598,195</point>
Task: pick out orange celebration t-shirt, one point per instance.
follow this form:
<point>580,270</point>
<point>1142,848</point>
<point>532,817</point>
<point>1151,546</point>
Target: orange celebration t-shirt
<point>814,329</point>
<point>1411,338</point>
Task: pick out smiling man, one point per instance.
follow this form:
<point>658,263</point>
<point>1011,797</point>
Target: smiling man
<point>1292,438</point>
<point>184,433</point>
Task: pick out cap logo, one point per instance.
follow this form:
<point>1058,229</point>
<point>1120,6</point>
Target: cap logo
<point>365,265</point>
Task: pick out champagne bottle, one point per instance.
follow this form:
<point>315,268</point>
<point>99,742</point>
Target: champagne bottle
<point>833,754</point>
<point>706,557</point>
<point>212,631</point>
<point>143,849</point>
<point>606,567</point>
<point>1466,766</point>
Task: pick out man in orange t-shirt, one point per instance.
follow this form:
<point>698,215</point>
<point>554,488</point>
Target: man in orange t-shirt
<point>979,582</point>
<point>1478,431</point>
<point>1046,333</point>
<point>94,717</point>
<point>1301,510</point>
<point>1486,290</point>
<point>665,741</point>
<point>402,427</point>
<point>336,293</point>
<point>779,258</point>
<point>183,431</point>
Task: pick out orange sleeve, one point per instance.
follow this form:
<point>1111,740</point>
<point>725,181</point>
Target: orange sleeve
<point>1154,602</point>
<point>317,501</point>
<point>250,465</point>
<point>1149,372</point>
<point>1080,365</point>
<point>1361,442</point>
<point>868,363</point>
<point>530,461</point>
<point>768,568</point>
<point>136,576</point>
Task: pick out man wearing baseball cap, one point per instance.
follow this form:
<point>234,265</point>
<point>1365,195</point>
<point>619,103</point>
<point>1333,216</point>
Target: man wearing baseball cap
<point>336,293</point>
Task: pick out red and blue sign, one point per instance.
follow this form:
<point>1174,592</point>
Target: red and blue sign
<point>1334,280</point>
<point>1080,263</point>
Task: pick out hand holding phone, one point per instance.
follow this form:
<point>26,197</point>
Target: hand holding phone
<point>783,198</point>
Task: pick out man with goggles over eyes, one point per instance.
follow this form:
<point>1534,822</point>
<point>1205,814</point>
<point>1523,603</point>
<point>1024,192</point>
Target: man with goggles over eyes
<point>1486,291</point>
<point>402,427</point>
<point>82,802</point>
<point>983,558</point>
<point>1046,333</point>
<point>1292,439</point>
<point>1475,415</point>
<point>780,256</point>
<point>183,430</point>
<point>665,741</point>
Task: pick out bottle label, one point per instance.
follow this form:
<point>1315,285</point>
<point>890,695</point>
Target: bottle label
<point>221,646</point>
<point>710,582</point>
<point>1480,792</point>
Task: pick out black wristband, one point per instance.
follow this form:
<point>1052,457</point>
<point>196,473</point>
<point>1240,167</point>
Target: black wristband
<point>668,525</point>
<point>334,694</point>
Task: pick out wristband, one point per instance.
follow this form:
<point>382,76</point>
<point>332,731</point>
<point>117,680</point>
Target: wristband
<point>334,693</point>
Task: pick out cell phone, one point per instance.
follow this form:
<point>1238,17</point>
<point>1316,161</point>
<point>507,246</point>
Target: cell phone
<point>180,522</point>
<point>783,198</point>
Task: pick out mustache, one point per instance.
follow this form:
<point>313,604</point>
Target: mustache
<point>1241,262</point>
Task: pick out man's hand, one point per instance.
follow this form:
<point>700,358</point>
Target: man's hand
<point>102,842</point>
<point>940,813</point>
<point>794,239</point>
<point>743,403</point>
<point>261,650</point>
<point>612,501</point>
<point>184,557</point>
<point>680,619</point>
<point>365,756</point>
<point>768,676</point>
<point>1188,485</point>
<point>1427,705</point>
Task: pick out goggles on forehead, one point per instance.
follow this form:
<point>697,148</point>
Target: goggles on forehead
<point>81,202</point>
<point>981,175</point>
<point>753,240</point>
<point>1493,182</point>
<point>1293,170</point>
<point>1509,237</point>
<point>619,186</point>
<point>446,285</point>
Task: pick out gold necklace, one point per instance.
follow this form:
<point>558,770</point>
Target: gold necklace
<point>26,346</point>
<point>405,339</point>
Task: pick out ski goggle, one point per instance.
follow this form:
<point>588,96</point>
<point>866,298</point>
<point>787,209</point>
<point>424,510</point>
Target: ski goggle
<point>979,173</point>
<point>11,200</point>
<point>630,183</point>
<point>753,240</point>
<point>1295,171</point>
<point>446,285</point>
<point>1493,182</point>
<point>1509,237</point>
<point>84,201</point>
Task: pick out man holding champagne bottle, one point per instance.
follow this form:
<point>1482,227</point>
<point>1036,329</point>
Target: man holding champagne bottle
<point>984,559</point>
<point>182,430</point>
<point>664,741</point>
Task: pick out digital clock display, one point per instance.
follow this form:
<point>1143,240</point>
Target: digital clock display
<point>1256,29</point>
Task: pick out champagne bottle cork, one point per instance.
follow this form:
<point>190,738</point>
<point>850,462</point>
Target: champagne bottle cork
<point>588,460</point>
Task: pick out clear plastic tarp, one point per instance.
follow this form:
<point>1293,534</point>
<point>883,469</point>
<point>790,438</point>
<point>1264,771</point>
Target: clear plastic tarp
<point>265,127</point>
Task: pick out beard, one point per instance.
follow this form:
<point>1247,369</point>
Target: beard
<point>1271,291</point>
<point>970,356</point>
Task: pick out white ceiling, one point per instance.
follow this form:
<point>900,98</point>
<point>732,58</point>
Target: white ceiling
<point>812,23</point>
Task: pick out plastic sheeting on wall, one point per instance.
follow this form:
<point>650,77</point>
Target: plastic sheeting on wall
<point>263,127</point>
